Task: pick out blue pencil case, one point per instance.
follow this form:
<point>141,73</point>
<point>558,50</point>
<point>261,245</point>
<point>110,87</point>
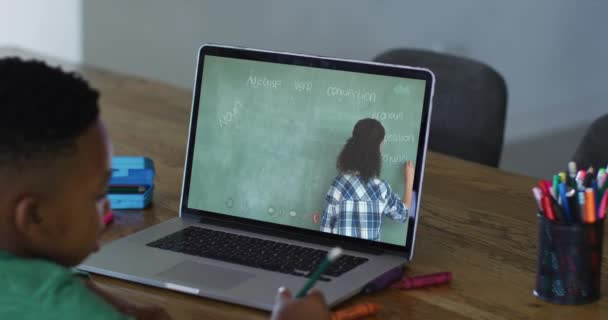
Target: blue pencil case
<point>131,173</point>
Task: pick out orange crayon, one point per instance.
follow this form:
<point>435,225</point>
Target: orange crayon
<point>356,312</point>
<point>590,214</point>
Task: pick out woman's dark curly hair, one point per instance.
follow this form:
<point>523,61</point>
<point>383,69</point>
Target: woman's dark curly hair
<point>361,153</point>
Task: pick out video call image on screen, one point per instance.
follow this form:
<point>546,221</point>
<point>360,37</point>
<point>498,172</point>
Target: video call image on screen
<point>268,139</point>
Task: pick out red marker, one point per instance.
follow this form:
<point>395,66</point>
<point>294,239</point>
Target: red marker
<point>603,206</point>
<point>423,281</point>
<point>108,217</point>
<point>543,188</point>
<point>580,179</point>
<point>548,208</point>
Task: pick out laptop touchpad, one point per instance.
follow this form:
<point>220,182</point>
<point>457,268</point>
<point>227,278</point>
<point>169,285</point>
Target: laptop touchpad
<point>202,275</point>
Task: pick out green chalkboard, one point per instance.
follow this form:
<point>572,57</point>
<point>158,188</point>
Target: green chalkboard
<point>268,136</point>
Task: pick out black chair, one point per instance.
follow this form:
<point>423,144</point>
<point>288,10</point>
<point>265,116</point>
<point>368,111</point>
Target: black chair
<point>469,106</point>
<point>593,149</point>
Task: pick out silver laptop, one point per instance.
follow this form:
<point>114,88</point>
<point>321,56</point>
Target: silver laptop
<point>263,199</point>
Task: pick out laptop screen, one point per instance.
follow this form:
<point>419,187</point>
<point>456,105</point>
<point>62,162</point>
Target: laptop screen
<point>307,146</point>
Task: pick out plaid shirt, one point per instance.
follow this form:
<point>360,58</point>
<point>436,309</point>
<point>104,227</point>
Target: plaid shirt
<point>355,208</point>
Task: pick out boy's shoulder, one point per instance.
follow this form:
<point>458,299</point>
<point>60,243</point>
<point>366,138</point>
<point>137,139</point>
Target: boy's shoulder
<point>29,276</point>
<point>39,289</point>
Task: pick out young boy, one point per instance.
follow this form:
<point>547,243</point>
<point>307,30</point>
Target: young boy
<point>55,158</point>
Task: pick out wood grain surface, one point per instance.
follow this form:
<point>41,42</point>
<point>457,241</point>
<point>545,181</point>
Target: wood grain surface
<point>476,221</point>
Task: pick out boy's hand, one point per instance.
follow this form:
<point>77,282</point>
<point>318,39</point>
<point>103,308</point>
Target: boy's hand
<point>311,307</point>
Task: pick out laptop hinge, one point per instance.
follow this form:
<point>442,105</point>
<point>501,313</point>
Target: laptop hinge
<point>291,235</point>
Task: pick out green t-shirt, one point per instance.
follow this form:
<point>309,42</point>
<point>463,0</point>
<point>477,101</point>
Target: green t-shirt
<point>37,289</point>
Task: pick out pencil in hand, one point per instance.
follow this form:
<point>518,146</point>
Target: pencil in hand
<point>332,256</point>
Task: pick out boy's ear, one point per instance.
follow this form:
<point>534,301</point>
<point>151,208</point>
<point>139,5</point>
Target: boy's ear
<point>27,216</point>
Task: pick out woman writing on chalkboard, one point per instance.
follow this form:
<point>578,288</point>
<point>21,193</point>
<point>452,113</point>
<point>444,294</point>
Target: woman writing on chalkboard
<point>358,198</point>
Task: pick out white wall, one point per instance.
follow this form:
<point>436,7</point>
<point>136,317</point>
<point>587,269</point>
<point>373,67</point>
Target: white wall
<point>50,27</point>
<point>551,52</point>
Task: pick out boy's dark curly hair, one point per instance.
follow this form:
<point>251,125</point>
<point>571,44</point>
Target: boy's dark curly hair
<point>43,110</point>
<point>361,153</point>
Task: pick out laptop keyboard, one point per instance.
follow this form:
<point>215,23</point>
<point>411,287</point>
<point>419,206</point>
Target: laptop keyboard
<point>254,252</point>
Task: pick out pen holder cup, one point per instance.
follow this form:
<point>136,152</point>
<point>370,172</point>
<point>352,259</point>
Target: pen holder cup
<point>569,262</point>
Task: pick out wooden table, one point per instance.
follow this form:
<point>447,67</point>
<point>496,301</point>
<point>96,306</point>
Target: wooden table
<point>476,221</point>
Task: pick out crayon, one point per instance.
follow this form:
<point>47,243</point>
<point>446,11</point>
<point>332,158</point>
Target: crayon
<point>423,281</point>
<point>601,213</point>
<point>580,179</point>
<point>564,202</point>
<point>562,177</point>
<point>555,188</point>
<point>572,174</point>
<point>582,207</point>
<point>548,208</point>
<point>538,195</point>
<point>601,177</point>
<point>590,213</point>
<point>543,188</point>
<point>384,280</point>
<point>573,205</point>
<point>572,169</point>
<point>356,312</point>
